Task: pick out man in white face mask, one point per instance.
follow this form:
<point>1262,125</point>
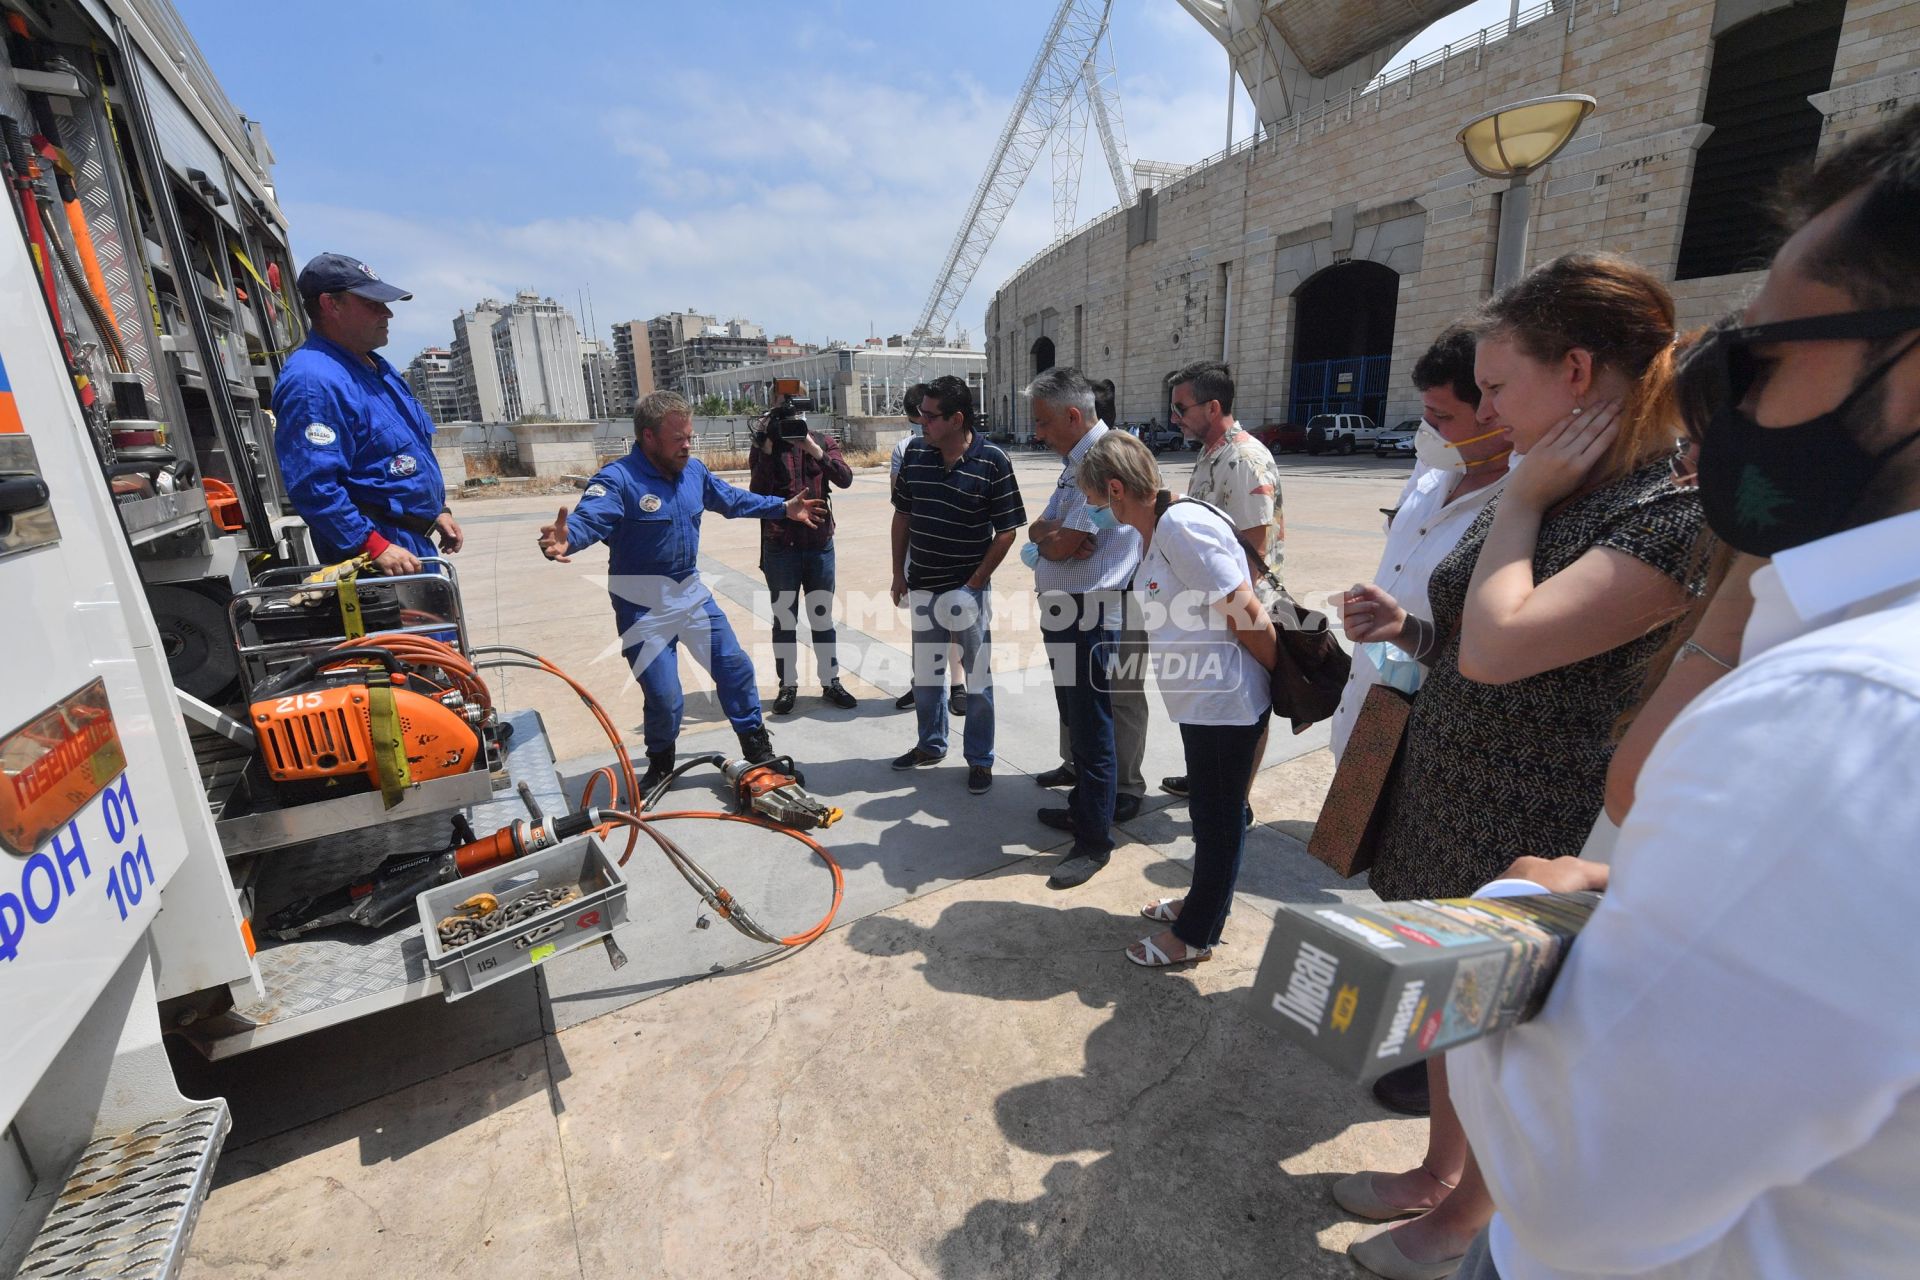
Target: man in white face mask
<point>1460,465</point>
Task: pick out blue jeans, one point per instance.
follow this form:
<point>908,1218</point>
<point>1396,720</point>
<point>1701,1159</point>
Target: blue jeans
<point>1220,764</point>
<point>955,617</point>
<point>1082,636</point>
<point>650,640</point>
<point>802,585</point>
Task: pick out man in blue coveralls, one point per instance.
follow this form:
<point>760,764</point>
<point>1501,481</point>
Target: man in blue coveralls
<point>647,508</point>
<point>355,447</point>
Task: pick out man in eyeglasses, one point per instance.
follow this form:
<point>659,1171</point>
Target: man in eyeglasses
<point>956,505</point>
<point>910,408</point>
<point>355,447</point>
<point>1726,1078</point>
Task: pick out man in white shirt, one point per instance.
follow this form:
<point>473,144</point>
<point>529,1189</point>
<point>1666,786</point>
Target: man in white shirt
<point>1461,465</point>
<point>1725,1081</point>
<point>1081,573</point>
<point>1127,689</point>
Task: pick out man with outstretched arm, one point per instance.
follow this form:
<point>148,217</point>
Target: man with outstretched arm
<point>647,508</point>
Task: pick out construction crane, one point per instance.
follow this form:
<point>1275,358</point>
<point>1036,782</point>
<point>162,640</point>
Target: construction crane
<point>1070,85</point>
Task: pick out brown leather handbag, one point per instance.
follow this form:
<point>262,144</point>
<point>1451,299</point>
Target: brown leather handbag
<point>1353,816</point>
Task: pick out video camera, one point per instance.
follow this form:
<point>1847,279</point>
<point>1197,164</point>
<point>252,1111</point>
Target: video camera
<point>788,421</point>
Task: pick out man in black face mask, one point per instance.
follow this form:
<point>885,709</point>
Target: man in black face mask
<point>1726,1079</point>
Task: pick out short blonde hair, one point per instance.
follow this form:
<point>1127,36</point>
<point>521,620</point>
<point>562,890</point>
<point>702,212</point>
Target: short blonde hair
<point>653,411</point>
<point>1118,456</point>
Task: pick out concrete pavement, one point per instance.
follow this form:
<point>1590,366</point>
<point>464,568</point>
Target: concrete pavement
<point>963,1078</point>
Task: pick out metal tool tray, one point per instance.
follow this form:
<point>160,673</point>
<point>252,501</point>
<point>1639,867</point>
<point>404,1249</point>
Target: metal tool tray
<point>582,862</point>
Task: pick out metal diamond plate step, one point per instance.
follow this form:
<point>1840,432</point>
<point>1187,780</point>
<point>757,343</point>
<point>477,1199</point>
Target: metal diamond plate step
<point>129,1208</point>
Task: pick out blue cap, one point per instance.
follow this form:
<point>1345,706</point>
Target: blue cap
<point>336,272</point>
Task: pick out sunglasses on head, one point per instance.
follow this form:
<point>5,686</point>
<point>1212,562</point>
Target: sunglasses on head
<point>1725,366</point>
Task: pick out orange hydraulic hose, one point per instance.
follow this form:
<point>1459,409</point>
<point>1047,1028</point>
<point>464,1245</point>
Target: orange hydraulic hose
<point>615,778</point>
<point>426,651</point>
<point>625,775</point>
<point>754,820</point>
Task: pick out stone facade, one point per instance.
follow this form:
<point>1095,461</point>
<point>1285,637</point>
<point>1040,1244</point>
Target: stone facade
<point>1211,265</point>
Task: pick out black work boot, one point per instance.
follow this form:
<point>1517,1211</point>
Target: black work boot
<point>756,746</point>
<point>659,765</point>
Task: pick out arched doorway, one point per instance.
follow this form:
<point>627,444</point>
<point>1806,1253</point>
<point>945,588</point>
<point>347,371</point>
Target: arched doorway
<point>1343,340</point>
<point>1764,70</point>
<point>1042,353</point>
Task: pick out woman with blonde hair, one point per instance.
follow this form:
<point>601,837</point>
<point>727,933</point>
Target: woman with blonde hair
<point>1197,602</point>
<point>1546,618</point>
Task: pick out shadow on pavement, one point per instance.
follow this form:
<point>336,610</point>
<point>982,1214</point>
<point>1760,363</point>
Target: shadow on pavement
<point>1169,1138</point>
<point>383,1060</point>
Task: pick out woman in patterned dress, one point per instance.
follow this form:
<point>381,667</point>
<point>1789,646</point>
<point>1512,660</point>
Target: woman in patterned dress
<point>1546,617</point>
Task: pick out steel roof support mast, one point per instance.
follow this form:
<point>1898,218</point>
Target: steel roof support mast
<point>1071,80</point>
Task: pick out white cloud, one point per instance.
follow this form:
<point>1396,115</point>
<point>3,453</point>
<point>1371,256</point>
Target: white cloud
<point>817,205</point>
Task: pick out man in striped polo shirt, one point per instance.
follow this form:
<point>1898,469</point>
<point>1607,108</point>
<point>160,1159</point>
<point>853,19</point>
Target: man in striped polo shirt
<point>955,509</point>
<point>910,407</point>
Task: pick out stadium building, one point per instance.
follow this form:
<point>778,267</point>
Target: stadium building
<point>1320,256</point>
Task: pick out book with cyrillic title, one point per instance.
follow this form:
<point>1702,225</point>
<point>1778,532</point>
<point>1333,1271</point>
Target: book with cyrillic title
<point>1369,988</point>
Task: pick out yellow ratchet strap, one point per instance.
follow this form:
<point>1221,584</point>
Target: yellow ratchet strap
<point>347,589</point>
<point>389,749</point>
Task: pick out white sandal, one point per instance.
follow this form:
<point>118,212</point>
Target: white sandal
<point>1161,910</point>
<point>1158,959</point>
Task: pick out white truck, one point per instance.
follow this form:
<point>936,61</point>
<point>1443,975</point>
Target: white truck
<point>148,288</point>
<point>1341,433</point>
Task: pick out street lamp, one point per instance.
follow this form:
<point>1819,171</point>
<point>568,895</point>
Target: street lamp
<point>1511,142</point>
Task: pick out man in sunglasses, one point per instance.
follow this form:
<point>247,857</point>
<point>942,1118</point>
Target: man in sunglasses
<point>1726,1078</point>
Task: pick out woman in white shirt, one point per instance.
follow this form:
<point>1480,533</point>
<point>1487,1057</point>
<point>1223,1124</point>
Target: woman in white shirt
<point>1211,645</point>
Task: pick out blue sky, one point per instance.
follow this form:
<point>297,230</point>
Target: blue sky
<point>804,165</point>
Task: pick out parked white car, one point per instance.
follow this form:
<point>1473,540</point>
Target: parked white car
<point>1340,433</point>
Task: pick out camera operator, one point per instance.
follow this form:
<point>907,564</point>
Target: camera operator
<point>790,460</point>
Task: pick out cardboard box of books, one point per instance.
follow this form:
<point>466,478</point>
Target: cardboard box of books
<point>1368,988</point>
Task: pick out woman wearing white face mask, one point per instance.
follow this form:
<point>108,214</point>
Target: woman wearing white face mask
<point>1462,464</point>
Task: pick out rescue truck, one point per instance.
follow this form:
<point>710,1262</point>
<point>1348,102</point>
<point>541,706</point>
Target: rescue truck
<point>181,766</point>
